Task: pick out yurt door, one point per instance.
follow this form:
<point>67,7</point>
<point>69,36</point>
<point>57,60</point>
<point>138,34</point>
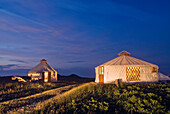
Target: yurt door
<point>49,77</point>
<point>46,76</point>
<point>101,74</point>
<point>43,76</point>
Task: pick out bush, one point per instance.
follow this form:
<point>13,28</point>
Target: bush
<point>108,98</point>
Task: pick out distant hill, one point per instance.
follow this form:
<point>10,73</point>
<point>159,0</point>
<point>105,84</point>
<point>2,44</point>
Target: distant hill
<point>72,77</point>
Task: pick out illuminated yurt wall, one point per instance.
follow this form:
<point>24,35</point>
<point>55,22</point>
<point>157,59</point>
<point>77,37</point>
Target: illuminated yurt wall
<point>126,68</point>
<point>44,72</point>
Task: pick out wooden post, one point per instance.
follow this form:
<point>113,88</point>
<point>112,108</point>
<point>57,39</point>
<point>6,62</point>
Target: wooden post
<point>117,82</point>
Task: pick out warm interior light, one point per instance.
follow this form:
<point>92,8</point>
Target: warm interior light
<point>101,70</point>
<point>34,74</point>
<point>46,77</point>
<point>35,78</point>
<point>133,73</point>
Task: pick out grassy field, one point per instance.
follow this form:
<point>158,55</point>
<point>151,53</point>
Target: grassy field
<point>74,97</point>
<point>108,98</point>
<point>29,102</point>
<point>19,95</point>
<point>10,91</point>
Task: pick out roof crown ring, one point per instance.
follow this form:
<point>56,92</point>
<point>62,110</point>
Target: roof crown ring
<point>124,53</point>
<point>43,61</point>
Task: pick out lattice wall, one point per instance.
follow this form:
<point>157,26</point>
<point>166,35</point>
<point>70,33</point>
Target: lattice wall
<point>133,74</point>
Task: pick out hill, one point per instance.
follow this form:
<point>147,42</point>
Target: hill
<point>72,77</point>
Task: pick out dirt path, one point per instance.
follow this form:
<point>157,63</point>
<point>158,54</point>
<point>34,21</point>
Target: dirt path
<point>26,104</point>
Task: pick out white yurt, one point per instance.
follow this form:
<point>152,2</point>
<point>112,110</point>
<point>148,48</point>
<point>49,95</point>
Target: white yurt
<point>127,69</point>
<point>44,72</point>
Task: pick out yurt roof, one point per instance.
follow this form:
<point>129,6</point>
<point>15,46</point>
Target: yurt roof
<point>125,59</point>
<point>43,66</point>
<point>163,77</point>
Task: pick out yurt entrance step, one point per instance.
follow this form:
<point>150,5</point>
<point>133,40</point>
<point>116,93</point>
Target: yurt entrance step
<point>46,76</point>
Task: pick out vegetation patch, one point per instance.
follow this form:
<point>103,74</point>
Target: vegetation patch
<point>108,98</point>
<point>9,91</point>
<point>29,102</point>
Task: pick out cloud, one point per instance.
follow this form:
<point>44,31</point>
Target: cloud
<point>18,24</point>
<point>8,25</point>
<point>2,67</point>
<point>22,17</point>
<point>20,72</point>
<point>22,30</point>
<point>17,60</point>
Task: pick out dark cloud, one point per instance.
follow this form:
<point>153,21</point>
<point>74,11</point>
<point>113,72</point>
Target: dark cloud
<point>20,72</point>
<point>7,66</point>
<point>17,60</point>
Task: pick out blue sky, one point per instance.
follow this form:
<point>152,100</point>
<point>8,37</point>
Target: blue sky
<point>77,35</point>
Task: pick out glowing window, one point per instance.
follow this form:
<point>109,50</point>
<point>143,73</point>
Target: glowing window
<point>133,74</point>
<point>101,70</point>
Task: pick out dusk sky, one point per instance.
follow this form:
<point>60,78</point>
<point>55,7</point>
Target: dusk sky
<point>75,36</point>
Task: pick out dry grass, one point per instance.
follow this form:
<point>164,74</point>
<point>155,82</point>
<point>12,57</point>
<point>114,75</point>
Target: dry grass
<point>67,96</point>
<point>9,91</point>
<point>29,102</point>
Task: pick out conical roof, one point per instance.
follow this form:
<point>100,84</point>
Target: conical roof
<point>43,66</point>
<point>125,59</point>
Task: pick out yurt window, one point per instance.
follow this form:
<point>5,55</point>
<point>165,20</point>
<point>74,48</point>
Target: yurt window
<point>133,74</point>
<point>155,69</point>
<point>101,70</point>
